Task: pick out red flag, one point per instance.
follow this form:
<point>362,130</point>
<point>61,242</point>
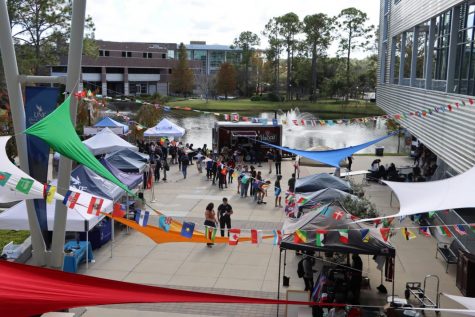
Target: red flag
<point>302,122</point>
<point>149,181</point>
<point>118,211</point>
<point>234,236</point>
<point>71,199</point>
<point>470,100</point>
<point>226,117</point>
<point>449,107</point>
<point>295,122</point>
<point>95,206</point>
<point>337,215</point>
<point>254,238</point>
<point>385,233</point>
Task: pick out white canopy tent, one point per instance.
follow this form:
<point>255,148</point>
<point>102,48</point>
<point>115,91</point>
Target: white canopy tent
<point>468,302</point>
<point>165,128</point>
<point>16,218</point>
<point>107,141</point>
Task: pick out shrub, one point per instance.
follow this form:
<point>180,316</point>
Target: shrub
<point>273,97</point>
<point>256,98</point>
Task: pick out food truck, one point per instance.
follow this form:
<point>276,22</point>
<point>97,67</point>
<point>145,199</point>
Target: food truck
<point>234,134</point>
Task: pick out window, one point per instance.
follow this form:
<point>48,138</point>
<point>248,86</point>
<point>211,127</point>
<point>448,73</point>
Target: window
<point>126,54</point>
<point>464,81</point>
<point>441,46</point>
<point>216,58</point>
<point>171,54</point>
<point>169,70</point>
<point>164,56</point>
<point>101,52</point>
<point>129,54</point>
<point>144,55</point>
<point>397,58</point>
<point>422,44</point>
<point>138,88</point>
<point>106,53</point>
<point>396,1</point>
<point>149,55</point>
<point>408,54</point>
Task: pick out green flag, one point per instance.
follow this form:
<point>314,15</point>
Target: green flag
<point>24,185</point>
<point>4,177</point>
<point>57,130</point>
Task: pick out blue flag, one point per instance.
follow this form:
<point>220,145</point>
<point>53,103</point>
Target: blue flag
<point>141,217</point>
<point>187,229</point>
<point>164,223</point>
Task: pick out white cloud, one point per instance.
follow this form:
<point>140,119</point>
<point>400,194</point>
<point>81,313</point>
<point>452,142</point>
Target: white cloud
<point>213,21</point>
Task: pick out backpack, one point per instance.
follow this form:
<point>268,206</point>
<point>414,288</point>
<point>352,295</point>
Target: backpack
<point>300,269</point>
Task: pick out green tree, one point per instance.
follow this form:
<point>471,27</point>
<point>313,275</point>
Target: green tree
<point>41,30</point>
<point>147,115</point>
<point>289,26</point>
<point>247,41</point>
<point>353,34</point>
<point>226,79</point>
<point>271,31</point>
<point>318,31</point>
<point>182,78</point>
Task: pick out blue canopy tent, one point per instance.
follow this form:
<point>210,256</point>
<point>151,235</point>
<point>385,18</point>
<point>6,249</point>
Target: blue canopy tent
<point>111,123</point>
<point>330,157</point>
<point>84,179</point>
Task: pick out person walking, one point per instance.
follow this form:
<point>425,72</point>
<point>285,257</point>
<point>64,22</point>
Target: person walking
<point>184,165</point>
<point>210,219</point>
<point>224,216</point>
<point>278,191</point>
<point>209,165</point>
<point>356,277</point>
<point>278,163</point>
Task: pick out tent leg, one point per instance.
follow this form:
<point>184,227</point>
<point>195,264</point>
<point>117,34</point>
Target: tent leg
<point>285,260</point>
<point>278,280</point>
<point>394,278</point>
<point>87,250</point>
<point>112,235</point>
<point>127,211</point>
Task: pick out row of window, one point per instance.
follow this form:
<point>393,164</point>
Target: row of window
<point>128,54</point>
<point>415,44</point>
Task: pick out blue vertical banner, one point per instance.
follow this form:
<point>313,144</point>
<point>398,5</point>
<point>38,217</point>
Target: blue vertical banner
<point>39,102</point>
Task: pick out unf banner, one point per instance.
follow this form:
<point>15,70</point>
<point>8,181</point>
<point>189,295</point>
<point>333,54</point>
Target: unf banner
<point>40,101</point>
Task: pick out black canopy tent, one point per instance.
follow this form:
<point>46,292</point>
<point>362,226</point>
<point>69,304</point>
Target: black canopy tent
<point>322,219</point>
<point>313,183</point>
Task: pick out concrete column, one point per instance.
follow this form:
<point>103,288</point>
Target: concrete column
<point>65,164</point>
<point>10,67</point>
<point>403,58</point>
<point>430,54</point>
<point>415,45</point>
<point>452,49</point>
<point>103,81</point>
<point>392,60</point>
<point>126,81</point>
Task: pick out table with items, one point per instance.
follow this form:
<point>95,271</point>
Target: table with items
<point>75,253</point>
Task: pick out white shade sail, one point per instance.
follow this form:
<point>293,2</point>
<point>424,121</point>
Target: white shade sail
<point>107,141</point>
<point>8,192</point>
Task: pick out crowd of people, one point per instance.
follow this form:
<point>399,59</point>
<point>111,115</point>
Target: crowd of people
<point>222,168</point>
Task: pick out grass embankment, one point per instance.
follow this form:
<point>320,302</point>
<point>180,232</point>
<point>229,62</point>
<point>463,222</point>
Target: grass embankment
<point>6,236</point>
<point>326,108</point>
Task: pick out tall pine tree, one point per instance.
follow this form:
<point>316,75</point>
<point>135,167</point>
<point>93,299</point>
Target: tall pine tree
<point>182,79</point>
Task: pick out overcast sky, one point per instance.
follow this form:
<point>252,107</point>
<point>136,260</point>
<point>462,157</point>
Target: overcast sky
<point>213,21</point>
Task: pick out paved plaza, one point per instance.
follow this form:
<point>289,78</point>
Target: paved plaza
<point>245,269</point>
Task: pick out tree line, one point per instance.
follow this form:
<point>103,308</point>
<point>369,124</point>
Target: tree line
<point>295,63</point>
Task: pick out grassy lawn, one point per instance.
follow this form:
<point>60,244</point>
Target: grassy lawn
<point>322,107</point>
<point>10,235</point>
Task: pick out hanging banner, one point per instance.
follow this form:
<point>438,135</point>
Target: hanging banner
<point>39,102</point>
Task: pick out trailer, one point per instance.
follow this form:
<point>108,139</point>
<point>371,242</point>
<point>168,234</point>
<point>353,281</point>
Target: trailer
<point>246,134</point>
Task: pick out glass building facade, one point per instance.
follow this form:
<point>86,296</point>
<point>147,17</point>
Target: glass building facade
<point>213,56</point>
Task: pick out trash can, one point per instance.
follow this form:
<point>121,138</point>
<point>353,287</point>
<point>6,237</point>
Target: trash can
<point>379,151</point>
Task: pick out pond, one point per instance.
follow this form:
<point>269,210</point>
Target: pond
<point>198,131</point>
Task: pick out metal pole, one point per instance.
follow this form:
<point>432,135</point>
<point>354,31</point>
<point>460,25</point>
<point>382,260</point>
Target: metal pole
<point>278,280</point>
<point>87,248</point>
<point>65,164</point>
<point>113,235</point>
<point>19,124</point>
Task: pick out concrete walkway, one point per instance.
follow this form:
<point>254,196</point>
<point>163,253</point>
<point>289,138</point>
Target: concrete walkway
<point>246,269</point>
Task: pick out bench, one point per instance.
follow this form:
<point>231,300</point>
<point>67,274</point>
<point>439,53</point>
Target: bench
<point>449,253</point>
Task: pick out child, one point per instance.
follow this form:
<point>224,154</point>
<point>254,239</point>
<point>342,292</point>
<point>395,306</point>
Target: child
<point>278,191</point>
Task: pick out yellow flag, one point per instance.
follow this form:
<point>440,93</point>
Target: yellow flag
<point>50,194</point>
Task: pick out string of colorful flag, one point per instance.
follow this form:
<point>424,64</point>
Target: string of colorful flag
<point>89,96</point>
